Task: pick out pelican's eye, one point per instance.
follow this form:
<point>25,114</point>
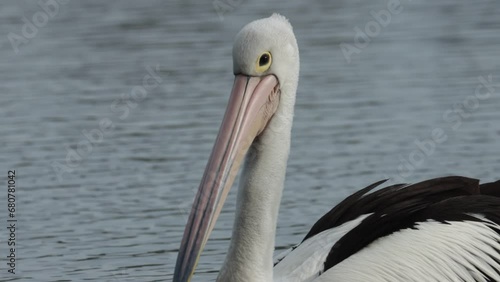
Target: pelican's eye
<point>264,62</point>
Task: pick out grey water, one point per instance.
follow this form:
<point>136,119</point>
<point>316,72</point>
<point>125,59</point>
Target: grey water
<point>104,182</point>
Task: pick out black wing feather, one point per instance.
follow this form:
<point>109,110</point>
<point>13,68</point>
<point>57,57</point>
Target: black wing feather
<point>402,206</point>
<point>442,199</point>
<point>394,196</point>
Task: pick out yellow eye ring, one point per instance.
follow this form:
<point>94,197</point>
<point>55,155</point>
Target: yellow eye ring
<point>264,62</point>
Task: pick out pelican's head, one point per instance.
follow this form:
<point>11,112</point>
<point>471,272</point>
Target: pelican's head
<point>268,47</point>
<point>266,68</point>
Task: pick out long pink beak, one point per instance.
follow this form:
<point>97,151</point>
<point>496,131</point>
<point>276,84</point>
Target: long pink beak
<point>253,102</point>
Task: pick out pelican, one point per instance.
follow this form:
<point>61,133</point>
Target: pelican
<point>443,229</point>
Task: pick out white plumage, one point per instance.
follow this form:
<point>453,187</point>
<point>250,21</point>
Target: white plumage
<point>305,262</point>
<point>460,251</point>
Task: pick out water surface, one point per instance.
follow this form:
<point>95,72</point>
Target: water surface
<point>117,213</point>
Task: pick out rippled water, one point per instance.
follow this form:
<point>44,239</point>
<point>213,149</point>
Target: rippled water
<point>117,209</point>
